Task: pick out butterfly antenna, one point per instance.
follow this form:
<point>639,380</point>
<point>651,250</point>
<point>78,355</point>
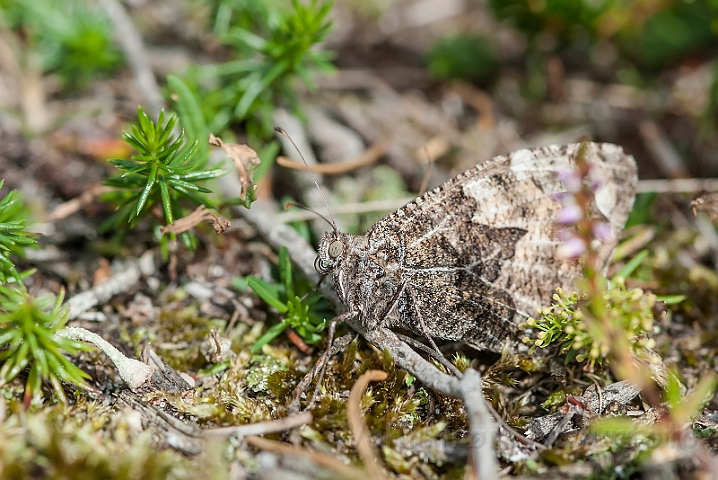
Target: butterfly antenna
<point>281,131</point>
<point>308,209</point>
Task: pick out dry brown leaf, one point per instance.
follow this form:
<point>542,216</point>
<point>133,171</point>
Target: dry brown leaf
<point>708,203</point>
<point>102,274</point>
<point>201,214</point>
<point>244,159</point>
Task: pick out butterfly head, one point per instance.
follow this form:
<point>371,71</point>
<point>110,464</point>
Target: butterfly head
<point>332,249</point>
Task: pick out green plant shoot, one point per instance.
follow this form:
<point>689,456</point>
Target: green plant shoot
<point>13,238</point>
<point>162,173</point>
<point>274,45</point>
<point>27,327</point>
<point>305,313</point>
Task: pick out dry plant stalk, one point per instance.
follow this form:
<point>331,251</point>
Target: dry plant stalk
<point>366,450</point>
<point>261,428</point>
<point>321,459</point>
<point>371,155</point>
<point>66,209</point>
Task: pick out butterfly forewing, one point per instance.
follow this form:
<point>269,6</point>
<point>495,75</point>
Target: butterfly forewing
<point>474,257</point>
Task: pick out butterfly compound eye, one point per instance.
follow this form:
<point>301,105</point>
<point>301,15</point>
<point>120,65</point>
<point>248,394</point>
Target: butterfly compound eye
<point>336,248</point>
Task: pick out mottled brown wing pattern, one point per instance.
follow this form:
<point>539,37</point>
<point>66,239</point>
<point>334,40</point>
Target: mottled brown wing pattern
<point>472,258</point>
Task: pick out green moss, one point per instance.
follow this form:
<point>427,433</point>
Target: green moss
<point>84,441</point>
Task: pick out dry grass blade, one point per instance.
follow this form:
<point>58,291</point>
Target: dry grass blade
<point>261,428</point>
<point>366,450</point>
<point>371,155</point>
<point>66,209</point>
<point>479,101</point>
<point>321,459</point>
<point>201,214</point>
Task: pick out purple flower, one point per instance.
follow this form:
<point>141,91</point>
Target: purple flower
<point>569,214</point>
<point>602,231</point>
<point>570,178</point>
<point>573,247</point>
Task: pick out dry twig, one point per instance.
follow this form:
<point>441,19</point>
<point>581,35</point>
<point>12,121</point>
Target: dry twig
<point>481,427</point>
<point>200,214</point>
<point>662,150</point>
<point>318,458</point>
<point>347,208</point>
<point>133,372</point>
<point>131,44</point>
<point>120,282</point>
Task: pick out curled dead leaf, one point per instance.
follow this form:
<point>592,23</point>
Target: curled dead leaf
<point>708,203</point>
<point>244,159</point>
<point>201,214</point>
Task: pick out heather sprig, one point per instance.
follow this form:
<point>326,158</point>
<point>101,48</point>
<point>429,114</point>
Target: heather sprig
<point>629,311</point>
<point>611,322</point>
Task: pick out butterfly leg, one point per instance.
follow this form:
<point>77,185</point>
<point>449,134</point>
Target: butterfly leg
<point>319,366</point>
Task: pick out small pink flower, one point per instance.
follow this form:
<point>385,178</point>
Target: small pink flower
<point>602,231</point>
<point>569,214</point>
<point>570,178</point>
<point>574,247</point>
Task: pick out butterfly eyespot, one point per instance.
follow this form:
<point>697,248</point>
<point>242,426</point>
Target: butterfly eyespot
<point>336,248</point>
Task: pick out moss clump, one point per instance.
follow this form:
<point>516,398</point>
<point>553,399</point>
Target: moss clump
<point>86,441</point>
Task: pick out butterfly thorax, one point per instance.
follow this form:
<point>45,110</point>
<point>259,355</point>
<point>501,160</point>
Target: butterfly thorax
<point>366,280</point>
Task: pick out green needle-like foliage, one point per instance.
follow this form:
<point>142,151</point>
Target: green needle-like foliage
<point>27,327</point>
<point>304,312</point>
<point>163,172</point>
<point>72,37</point>
<point>13,238</point>
<point>274,43</point>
